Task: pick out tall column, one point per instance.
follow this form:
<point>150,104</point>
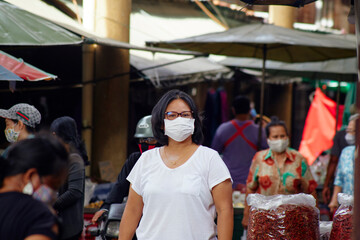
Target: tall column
<point>87,98</point>
<point>283,16</point>
<point>112,20</point>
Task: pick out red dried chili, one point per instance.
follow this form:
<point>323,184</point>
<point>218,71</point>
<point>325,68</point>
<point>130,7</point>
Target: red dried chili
<point>342,224</point>
<point>287,221</point>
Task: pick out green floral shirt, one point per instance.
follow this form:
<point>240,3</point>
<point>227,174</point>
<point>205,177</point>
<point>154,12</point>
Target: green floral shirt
<point>268,178</point>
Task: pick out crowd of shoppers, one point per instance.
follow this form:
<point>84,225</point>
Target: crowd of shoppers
<point>176,187</point>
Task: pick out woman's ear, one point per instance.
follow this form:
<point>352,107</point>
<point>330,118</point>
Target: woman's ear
<point>31,175</point>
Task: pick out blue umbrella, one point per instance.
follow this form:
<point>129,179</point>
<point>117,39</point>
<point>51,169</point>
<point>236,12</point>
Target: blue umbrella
<point>8,75</point>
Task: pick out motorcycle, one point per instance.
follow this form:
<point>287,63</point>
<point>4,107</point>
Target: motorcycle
<point>109,223</point>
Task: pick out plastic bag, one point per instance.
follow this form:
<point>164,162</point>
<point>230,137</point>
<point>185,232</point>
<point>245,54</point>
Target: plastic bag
<point>89,190</point>
<point>325,229</point>
<point>279,217</point>
<point>342,223</point>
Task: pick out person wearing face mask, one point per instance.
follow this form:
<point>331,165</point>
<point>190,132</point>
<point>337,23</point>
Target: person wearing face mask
<point>21,121</point>
<point>34,167</point>
<point>145,140</point>
<point>70,202</point>
<point>342,139</point>
<point>177,190</point>
<point>344,178</point>
<point>279,169</point>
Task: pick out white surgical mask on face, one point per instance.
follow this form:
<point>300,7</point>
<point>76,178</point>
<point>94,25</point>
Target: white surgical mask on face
<point>180,128</point>
<point>11,135</point>
<point>279,145</point>
<point>350,138</point>
<point>28,189</point>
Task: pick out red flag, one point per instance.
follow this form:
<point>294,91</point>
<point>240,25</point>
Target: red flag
<point>319,128</point>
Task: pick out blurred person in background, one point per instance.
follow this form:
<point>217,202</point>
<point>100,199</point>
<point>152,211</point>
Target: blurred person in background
<point>279,169</point>
<point>38,167</point>
<point>20,122</point>
<point>344,177</point>
<point>70,202</point>
<point>176,190</point>
<point>145,140</point>
<point>237,141</point>
<point>341,140</point>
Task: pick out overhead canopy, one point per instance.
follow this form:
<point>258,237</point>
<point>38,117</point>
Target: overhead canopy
<point>281,44</point>
<point>342,69</point>
<point>22,28</point>
<point>163,71</point>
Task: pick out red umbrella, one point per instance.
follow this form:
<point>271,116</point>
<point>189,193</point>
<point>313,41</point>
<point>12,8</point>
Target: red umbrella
<point>23,70</point>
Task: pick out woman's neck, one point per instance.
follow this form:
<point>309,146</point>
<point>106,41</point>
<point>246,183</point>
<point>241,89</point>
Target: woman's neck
<point>12,184</point>
<point>280,157</point>
<point>179,146</point>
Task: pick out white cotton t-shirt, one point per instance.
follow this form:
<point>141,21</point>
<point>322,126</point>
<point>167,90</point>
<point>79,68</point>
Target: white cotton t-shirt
<point>178,204</point>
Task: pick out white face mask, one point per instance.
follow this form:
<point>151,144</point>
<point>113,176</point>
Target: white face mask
<point>11,135</point>
<point>279,145</point>
<point>28,189</point>
<point>350,138</point>
<point>180,128</point>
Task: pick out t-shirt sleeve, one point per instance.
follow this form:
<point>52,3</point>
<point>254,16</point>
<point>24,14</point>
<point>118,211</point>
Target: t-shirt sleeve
<point>339,175</point>
<point>134,176</point>
<point>218,172</point>
<point>218,142</point>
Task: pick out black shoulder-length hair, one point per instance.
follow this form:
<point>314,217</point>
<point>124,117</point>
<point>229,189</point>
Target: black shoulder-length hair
<point>158,116</point>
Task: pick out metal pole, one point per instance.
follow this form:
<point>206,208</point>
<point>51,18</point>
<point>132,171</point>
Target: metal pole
<point>262,96</point>
<point>356,212</point>
<point>337,105</point>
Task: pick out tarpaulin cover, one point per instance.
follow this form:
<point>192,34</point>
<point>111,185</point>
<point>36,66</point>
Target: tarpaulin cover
<point>23,70</point>
<point>8,75</point>
<point>319,128</point>
<point>21,28</point>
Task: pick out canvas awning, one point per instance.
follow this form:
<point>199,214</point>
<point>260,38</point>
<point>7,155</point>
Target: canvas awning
<point>339,69</point>
<point>167,72</point>
<point>19,27</point>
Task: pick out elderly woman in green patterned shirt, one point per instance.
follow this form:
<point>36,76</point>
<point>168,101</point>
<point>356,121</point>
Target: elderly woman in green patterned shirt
<point>279,169</point>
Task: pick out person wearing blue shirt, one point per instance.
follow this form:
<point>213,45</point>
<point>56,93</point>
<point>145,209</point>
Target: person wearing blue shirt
<point>344,178</point>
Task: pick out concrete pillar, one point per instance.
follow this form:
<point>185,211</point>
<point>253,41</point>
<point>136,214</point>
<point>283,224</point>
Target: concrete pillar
<point>282,16</point>
<point>87,98</point>
<point>112,20</point>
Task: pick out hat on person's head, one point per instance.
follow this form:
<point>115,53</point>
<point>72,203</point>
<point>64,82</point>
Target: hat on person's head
<point>24,112</point>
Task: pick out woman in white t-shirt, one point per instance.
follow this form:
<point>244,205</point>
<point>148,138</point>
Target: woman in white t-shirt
<point>178,190</point>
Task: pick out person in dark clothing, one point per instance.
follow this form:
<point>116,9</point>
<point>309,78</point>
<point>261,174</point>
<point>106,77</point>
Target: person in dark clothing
<point>32,166</point>
<point>70,202</point>
<point>120,190</point>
